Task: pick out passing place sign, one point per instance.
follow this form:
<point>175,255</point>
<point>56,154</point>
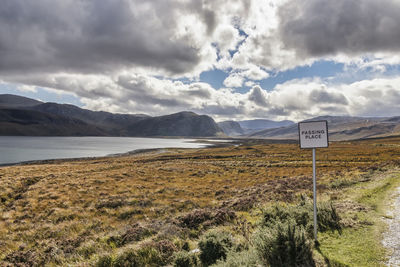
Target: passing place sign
<point>313,134</point>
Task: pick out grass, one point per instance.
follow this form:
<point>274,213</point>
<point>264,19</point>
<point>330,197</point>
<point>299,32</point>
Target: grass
<point>68,212</point>
<point>360,244</point>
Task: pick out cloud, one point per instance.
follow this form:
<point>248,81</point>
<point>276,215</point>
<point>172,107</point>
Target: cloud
<point>315,28</point>
<point>324,96</point>
<point>234,80</point>
<point>103,36</point>
<point>183,38</point>
<point>296,99</point>
<point>258,96</point>
<point>132,56</point>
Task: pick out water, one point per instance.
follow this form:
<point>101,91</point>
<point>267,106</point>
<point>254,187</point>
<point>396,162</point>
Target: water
<point>15,149</point>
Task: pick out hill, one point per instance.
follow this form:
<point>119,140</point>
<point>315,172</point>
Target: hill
<point>341,128</point>
<point>231,128</point>
<point>112,124</point>
<point>34,123</point>
<point>25,116</point>
<point>262,124</point>
<point>15,101</point>
<point>178,124</point>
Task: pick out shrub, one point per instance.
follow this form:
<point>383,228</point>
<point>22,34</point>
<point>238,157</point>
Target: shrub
<point>214,246</point>
<point>284,244</point>
<point>206,218</point>
<point>166,249</point>
<point>195,218</point>
<point>146,256</point>
<point>23,257</point>
<point>151,254</point>
<point>221,216</point>
<point>302,214</point>
<point>328,218</point>
<point>185,259</point>
<point>246,258</point>
<point>104,261</point>
<point>135,232</point>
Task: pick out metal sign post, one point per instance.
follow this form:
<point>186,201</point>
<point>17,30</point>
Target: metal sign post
<point>315,194</point>
<point>314,134</point>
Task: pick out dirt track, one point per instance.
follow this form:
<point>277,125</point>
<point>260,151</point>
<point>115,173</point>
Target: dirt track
<point>392,236</point>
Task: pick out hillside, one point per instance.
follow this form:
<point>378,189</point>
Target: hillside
<point>341,128</point>
<point>112,124</point>
<point>178,124</point>
<point>262,124</point>
<point>34,123</point>
<point>15,101</point>
<point>24,116</point>
<point>231,128</point>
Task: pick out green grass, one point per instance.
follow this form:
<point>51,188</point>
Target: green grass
<point>354,247</point>
<point>360,245</point>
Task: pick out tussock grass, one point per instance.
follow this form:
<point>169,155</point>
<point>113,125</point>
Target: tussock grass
<point>65,212</point>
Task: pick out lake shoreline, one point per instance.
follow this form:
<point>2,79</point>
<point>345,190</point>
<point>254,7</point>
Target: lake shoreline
<point>212,143</point>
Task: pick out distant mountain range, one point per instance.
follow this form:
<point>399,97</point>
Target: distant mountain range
<point>248,127</point>
<point>25,116</point>
<point>340,128</point>
<point>262,124</point>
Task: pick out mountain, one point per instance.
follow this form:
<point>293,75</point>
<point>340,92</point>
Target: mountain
<point>231,128</point>
<point>341,128</point>
<point>178,124</point>
<point>261,124</point>
<point>15,101</point>
<point>112,124</point>
<point>34,123</point>
<point>25,116</point>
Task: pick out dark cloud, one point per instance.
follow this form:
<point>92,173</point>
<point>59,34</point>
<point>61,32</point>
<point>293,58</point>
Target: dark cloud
<point>257,96</point>
<point>318,27</point>
<point>95,36</point>
<point>197,91</point>
<point>323,96</point>
<point>221,110</point>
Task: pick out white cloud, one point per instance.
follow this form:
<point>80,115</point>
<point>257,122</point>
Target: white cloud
<point>122,56</point>
<point>27,88</point>
<point>234,80</point>
<point>255,73</point>
<point>295,99</point>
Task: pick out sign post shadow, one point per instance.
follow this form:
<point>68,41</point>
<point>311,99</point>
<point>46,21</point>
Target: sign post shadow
<point>314,134</point>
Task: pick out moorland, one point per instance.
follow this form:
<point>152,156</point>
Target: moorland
<point>163,208</point>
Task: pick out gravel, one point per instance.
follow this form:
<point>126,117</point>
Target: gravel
<point>391,238</point>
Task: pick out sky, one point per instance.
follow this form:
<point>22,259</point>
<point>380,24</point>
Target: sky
<point>231,60</point>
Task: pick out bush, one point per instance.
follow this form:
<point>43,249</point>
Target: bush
<point>146,256</point>
<point>23,257</point>
<point>302,214</point>
<point>104,261</point>
<point>284,244</point>
<point>214,246</point>
<point>166,249</point>
<point>195,218</point>
<point>133,233</point>
<point>246,258</point>
<point>206,218</point>
<point>328,218</point>
<point>185,259</point>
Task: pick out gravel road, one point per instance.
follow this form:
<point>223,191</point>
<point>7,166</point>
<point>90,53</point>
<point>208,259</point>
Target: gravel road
<point>391,238</point>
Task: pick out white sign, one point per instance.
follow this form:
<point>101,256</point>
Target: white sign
<point>313,134</point>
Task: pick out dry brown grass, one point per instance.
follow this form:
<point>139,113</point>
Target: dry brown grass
<point>67,211</point>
